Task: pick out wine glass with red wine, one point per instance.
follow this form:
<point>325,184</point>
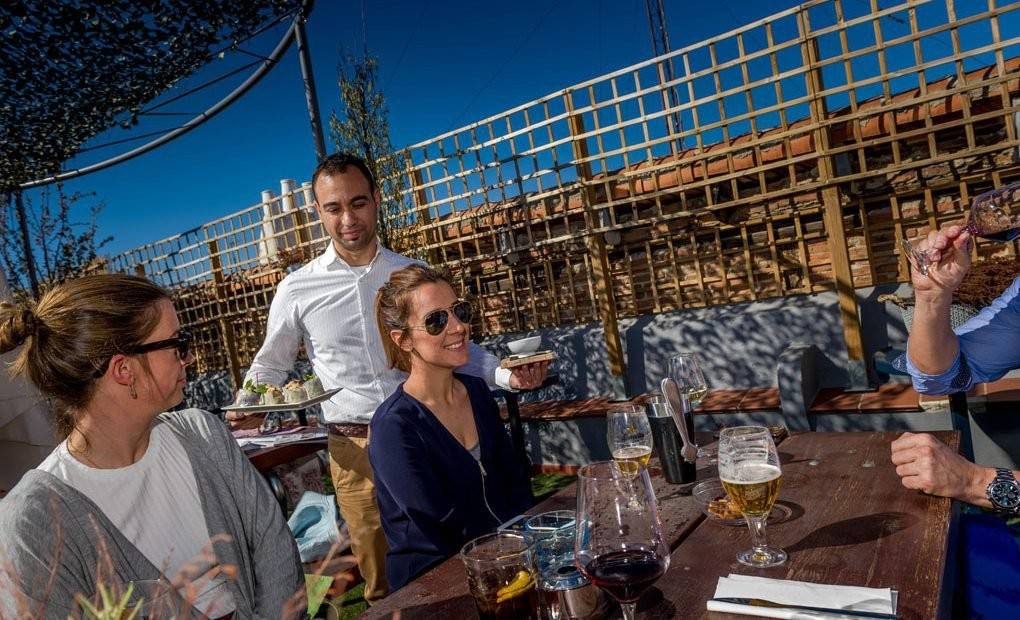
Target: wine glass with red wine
<point>618,543</point>
<point>994,215</point>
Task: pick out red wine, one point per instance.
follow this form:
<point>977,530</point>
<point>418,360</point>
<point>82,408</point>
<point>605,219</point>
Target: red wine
<point>625,574</point>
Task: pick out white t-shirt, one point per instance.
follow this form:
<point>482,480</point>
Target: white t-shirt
<point>155,504</point>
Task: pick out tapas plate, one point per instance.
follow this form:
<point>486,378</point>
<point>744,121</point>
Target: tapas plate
<point>282,406</point>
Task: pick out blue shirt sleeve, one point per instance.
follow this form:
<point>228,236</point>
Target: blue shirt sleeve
<point>989,348</point>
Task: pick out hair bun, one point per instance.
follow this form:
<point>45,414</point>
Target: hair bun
<point>17,323</point>
<point>28,321</point>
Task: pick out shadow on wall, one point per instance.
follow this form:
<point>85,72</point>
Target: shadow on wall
<point>739,344</point>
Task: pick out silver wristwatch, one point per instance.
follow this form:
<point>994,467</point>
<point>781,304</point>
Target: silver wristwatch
<point>1004,492</point>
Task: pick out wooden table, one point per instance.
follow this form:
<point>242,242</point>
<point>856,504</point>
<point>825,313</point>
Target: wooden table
<point>265,459</point>
<point>852,523</point>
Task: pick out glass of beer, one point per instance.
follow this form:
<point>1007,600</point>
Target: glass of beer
<point>629,436</point>
<point>501,576</point>
<point>750,473</point>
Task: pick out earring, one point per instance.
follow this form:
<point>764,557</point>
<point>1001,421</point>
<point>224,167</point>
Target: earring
<point>131,390</point>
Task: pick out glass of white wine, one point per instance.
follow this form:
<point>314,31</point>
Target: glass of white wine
<point>750,473</point>
<point>685,369</point>
<point>629,436</point>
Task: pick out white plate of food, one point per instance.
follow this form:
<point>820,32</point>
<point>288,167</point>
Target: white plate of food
<point>264,397</point>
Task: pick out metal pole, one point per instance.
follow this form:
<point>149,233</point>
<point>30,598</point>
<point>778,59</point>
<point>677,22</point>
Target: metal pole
<point>305,59</point>
<point>660,47</point>
<point>26,244</point>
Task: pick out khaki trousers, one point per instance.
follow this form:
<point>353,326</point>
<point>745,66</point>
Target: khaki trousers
<point>355,495</point>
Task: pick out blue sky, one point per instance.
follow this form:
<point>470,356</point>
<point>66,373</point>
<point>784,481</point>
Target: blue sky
<point>443,64</point>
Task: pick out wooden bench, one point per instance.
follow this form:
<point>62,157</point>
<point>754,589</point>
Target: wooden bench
<point>901,397</point>
<point>889,397</point>
<point>717,401</point>
<point>739,400</point>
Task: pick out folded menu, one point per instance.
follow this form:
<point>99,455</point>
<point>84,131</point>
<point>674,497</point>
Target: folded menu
<point>879,600</point>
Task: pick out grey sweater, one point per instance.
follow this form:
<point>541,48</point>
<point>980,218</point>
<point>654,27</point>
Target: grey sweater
<point>55,542</point>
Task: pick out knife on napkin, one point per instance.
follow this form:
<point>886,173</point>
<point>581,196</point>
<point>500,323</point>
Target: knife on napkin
<point>757,602</point>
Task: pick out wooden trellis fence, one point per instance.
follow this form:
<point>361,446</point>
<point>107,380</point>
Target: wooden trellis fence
<point>798,150</point>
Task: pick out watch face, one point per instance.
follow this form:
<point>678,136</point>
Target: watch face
<point>1004,494</point>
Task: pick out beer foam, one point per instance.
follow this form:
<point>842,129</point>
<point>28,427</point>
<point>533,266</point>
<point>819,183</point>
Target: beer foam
<point>752,473</point>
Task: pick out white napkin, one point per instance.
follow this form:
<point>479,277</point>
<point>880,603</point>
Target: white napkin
<point>881,600</point>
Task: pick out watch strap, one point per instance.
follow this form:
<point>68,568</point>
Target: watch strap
<point>1003,474</point>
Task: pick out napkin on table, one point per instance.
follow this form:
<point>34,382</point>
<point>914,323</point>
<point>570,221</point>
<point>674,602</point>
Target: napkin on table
<point>882,600</point>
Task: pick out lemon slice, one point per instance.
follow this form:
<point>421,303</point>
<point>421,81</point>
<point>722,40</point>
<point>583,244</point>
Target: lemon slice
<point>522,581</point>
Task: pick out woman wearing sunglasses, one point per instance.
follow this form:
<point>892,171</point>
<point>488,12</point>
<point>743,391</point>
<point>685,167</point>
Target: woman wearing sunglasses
<point>134,492</point>
<point>444,467</point>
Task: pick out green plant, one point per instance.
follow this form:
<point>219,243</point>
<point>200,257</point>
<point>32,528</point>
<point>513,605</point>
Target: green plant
<point>362,128</point>
<point>258,388</point>
<point>113,607</point>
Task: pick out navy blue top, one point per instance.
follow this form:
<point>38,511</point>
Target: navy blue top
<point>432,494</point>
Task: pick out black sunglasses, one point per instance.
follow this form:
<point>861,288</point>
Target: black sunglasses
<point>181,342</point>
<point>435,322</point>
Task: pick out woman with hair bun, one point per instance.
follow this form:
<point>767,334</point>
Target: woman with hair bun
<point>134,491</point>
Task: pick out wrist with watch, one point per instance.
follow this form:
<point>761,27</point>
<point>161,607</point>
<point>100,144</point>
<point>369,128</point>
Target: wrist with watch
<point>1004,492</point>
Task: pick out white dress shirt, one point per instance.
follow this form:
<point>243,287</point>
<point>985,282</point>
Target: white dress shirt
<point>330,306</point>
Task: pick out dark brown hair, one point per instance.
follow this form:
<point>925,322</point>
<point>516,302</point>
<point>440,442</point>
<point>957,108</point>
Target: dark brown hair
<point>337,164</point>
<point>72,332</point>
<point>393,306</point>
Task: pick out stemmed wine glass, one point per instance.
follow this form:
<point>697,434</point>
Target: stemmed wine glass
<point>685,369</point>
<point>750,473</point>
<point>618,543</point>
<point>629,436</point>
<point>994,215</point>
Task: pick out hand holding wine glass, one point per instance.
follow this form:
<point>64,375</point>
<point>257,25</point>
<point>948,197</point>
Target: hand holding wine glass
<point>994,215</point>
<point>947,261</point>
<point>618,544</point>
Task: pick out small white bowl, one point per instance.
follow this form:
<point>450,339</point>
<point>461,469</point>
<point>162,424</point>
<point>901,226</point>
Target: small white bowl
<point>524,346</point>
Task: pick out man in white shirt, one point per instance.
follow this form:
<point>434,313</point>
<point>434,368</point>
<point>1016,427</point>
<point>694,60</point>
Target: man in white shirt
<point>329,305</point>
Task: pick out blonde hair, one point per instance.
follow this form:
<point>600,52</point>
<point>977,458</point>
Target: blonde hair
<point>73,331</point>
<point>393,307</point>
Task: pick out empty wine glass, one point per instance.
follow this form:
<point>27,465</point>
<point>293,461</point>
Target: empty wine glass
<point>994,215</point>
<point>618,543</point>
<point>629,436</point>
<point>750,473</point>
